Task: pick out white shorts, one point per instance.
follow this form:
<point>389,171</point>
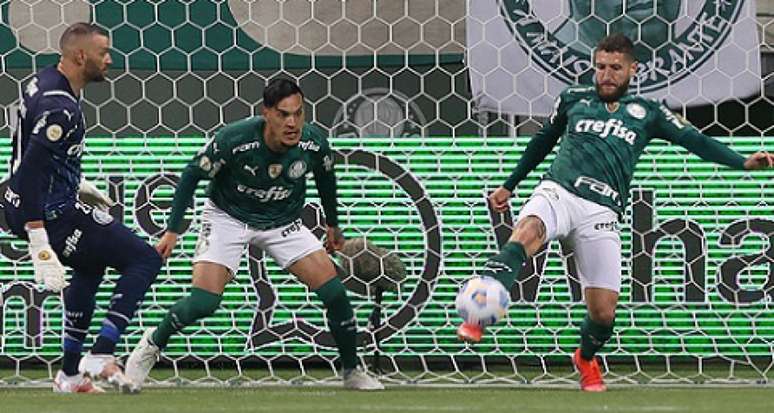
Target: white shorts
<point>223,240</point>
<point>586,228</point>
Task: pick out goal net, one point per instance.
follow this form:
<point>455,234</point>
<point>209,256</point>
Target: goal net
<point>415,158</point>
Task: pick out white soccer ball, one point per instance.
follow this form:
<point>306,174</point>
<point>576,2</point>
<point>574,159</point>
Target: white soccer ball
<point>482,301</point>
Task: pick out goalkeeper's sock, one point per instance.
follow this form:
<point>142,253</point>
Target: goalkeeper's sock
<point>79,305</point>
<point>108,337</point>
<point>593,337</point>
<point>506,265</point>
<point>198,305</point>
<point>341,320</point>
<point>130,289</point>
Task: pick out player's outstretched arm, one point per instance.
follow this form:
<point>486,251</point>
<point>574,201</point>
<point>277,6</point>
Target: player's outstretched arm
<point>678,130</point>
<point>759,160</point>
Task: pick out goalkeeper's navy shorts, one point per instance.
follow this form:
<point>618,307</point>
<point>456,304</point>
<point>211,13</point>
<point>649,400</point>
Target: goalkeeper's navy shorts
<point>85,238</point>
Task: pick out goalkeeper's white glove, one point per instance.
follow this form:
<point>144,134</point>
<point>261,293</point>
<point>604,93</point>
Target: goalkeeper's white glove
<point>48,270</point>
<point>90,195</point>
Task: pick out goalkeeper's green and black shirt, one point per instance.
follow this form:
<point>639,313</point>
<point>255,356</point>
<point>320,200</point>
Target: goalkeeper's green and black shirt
<point>248,181</point>
<point>600,148</point>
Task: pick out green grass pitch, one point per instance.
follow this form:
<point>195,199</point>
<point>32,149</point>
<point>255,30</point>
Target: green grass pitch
<point>394,399</point>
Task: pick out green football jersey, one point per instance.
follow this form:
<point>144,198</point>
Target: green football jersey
<point>599,148</point>
<point>253,184</point>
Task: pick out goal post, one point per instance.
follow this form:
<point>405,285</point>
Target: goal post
<point>414,160</point>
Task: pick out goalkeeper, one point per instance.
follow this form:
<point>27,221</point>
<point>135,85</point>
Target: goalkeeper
<point>604,131</point>
<point>64,217</point>
<point>257,169</point>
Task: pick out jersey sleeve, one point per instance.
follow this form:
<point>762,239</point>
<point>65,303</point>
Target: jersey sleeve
<point>544,141</point>
<point>325,180</point>
<point>47,139</point>
<point>206,164</point>
<point>673,128</point>
<point>32,178</point>
<point>52,128</point>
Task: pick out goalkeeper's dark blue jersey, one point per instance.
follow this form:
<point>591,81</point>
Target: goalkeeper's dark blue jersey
<point>47,146</point>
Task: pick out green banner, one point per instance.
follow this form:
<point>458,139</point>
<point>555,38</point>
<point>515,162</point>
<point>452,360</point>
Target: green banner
<point>698,257</point>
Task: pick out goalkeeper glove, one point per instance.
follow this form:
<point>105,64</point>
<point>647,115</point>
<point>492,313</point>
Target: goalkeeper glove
<point>48,270</point>
<point>90,195</point>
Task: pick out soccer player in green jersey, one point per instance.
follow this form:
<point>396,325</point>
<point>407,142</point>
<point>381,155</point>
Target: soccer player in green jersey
<point>257,170</point>
<point>604,131</point>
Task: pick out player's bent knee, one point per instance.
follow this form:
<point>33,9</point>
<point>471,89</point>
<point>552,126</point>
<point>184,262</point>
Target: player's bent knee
<point>604,316</point>
<point>332,292</point>
<point>154,260</point>
<point>200,304</point>
<point>146,265</point>
<point>530,232</point>
<point>314,270</point>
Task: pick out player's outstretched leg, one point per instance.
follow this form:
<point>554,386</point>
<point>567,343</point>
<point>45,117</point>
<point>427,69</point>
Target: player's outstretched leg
<point>139,265</point>
<point>504,267</point>
<point>198,305</point>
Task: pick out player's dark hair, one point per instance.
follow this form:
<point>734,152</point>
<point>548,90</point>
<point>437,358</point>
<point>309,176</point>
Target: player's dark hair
<point>279,89</point>
<point>80,29</point>
<point>617,42</point>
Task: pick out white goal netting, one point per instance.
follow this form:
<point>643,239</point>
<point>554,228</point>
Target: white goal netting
<point>415,158</point>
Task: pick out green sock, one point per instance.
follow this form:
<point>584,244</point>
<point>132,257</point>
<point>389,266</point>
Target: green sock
<point>506,265</point>
<point>341,320</point>
<point>185,312</point>
<point>593,337</point>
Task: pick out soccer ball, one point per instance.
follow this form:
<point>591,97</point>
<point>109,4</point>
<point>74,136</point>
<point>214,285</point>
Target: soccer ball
<point>482,301</point>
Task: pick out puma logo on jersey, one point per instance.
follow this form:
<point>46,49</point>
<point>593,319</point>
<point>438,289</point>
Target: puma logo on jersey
<point>587,102</point>
<point>275,193</point>
<point>253,170</point>
<point>613,127</point>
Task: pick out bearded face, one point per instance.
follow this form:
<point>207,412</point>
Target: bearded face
<point>612,73</point>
